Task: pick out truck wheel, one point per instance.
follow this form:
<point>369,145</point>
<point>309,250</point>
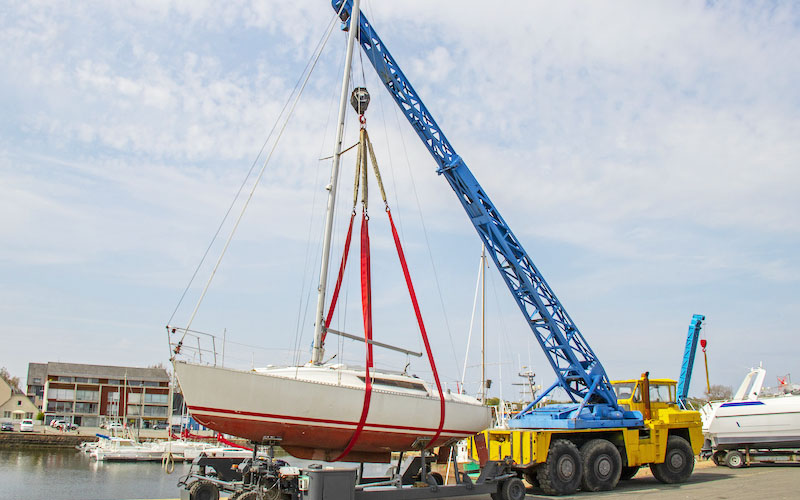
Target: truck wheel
<point>530,476</point>
<point>602,465</point>
<point>204,490</point>
<point>718,457</point>
<point>562,472</point>
<point>678,462</point>
<point>628,473</point>
<point>513,489</point>
<point>734,459</point>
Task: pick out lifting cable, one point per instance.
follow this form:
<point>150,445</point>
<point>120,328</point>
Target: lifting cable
<point>365,148</point>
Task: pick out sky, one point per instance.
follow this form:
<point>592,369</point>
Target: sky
<point>644,153</point>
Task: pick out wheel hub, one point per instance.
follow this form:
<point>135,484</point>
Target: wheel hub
<point>676,461</point>
<point>566,468</point>
<point>604,466</point>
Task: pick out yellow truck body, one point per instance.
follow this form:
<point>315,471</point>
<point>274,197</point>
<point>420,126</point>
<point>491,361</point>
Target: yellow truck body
<point>529,449</point>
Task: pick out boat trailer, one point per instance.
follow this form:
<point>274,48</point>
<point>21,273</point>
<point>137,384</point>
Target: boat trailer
<point>265,477</point>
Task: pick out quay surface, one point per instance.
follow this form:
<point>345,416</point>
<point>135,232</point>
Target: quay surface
<point>707,481</point>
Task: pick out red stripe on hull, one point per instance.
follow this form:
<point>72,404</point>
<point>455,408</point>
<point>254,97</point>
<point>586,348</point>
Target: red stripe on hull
<point>313,442</point>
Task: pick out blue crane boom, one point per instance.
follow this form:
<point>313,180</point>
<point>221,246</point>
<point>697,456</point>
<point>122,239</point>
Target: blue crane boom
<point>578,370</point>
<point>687,365</point>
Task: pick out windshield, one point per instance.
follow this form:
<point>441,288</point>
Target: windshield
<point>662,393</point>
<point>624,390</point>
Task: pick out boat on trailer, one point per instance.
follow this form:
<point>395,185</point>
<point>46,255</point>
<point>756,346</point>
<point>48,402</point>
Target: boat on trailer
<point>752,420</point>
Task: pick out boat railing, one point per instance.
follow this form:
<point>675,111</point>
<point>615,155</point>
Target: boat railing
<point>218,350</point>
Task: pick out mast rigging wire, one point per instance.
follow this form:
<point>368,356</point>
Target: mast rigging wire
<point>310,67</point>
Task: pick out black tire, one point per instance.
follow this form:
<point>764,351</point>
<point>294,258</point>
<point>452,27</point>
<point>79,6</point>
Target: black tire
<point>204,490</point>
<point>248,495</point>
<point>602,465</point>
<point>678,462</point>
<point>530,475</point>
<point>513,489</point>
<point>734,459</point>
<point>628,473</point>
<point>562,472</point>
<point>437,477</point>
<point>718,457</point>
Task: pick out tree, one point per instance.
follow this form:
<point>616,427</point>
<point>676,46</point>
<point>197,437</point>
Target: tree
<point>719,392</point>
<point>12,381</point>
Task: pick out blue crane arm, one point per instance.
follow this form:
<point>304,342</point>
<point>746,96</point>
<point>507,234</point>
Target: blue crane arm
<point>577,368</point>
<point>688,358</point>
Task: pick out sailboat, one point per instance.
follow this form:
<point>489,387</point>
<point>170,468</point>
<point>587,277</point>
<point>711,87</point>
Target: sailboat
<point>323,411</point>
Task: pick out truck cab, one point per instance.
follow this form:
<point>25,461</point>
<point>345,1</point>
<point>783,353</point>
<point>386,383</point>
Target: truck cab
<point>655,399</point>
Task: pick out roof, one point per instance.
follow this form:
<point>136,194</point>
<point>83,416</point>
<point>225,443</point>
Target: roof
<point>104,371</point>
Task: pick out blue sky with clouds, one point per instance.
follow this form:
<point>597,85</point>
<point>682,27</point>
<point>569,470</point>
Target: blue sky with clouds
<point>644,153</point>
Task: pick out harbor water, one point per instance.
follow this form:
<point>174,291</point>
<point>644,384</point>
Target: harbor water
<point>66,474</point>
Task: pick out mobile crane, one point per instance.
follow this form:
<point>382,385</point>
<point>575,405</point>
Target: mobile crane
<point>598,438</point>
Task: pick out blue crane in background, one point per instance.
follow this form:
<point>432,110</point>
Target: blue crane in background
<point>687,365</point>
<point>578,370</point>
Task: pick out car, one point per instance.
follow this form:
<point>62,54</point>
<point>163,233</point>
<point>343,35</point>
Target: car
<point>6,426</point>
<point>112,426</point>
<point>158,427</point>
<point>26,425</point>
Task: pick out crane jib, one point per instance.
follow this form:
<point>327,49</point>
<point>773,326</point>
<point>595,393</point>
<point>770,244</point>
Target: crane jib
<point>578,371</point>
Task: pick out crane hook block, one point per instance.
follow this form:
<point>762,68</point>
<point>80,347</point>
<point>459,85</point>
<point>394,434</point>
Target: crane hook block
<point>359,99</point>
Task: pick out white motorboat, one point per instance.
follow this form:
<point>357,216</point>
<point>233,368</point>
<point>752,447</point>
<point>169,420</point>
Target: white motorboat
<point>126,450</point>
<point>751,419</point>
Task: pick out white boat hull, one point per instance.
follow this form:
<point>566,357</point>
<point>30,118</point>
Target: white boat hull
<point>315,419</point>
<point>758,423</point>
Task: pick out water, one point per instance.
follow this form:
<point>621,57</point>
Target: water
<point>64,474</point>
<point>70,474</point>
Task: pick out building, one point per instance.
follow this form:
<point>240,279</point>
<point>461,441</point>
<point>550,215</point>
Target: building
<point>91,395</point>
<point>15,406</point>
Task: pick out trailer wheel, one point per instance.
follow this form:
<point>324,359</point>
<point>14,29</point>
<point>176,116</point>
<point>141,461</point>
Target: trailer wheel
<point>734,459</point>
<point>628,473</point>
<point>678,462</point>
<point>204,490</point>
<point>602,465</point>
<point>513,489</point>
<point>530,475</point>
<point>562,472</point>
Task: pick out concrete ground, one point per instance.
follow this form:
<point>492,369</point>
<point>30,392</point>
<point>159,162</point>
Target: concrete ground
<point>708,482</point>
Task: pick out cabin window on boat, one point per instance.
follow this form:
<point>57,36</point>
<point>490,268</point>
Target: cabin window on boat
<point>404,384</point>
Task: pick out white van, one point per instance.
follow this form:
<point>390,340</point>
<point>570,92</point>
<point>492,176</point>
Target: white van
<point>26,425</point>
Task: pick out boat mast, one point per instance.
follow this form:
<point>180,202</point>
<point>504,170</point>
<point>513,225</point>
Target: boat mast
<point>319,326</point>
<point>483,324</point>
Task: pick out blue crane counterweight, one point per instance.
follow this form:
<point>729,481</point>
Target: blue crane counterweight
<point>578,371</point>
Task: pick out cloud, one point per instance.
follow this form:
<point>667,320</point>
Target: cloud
<point>643,153</point>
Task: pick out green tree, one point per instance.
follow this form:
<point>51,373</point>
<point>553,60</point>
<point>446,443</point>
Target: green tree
<point>12,381</point>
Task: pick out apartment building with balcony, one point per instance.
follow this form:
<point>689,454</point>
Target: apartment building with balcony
<point>90,395</point>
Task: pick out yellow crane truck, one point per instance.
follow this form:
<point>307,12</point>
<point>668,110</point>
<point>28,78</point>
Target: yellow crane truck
<point>561,461</point>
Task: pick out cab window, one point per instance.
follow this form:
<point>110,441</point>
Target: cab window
<point>662,393</point>
<point>624,390</point>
